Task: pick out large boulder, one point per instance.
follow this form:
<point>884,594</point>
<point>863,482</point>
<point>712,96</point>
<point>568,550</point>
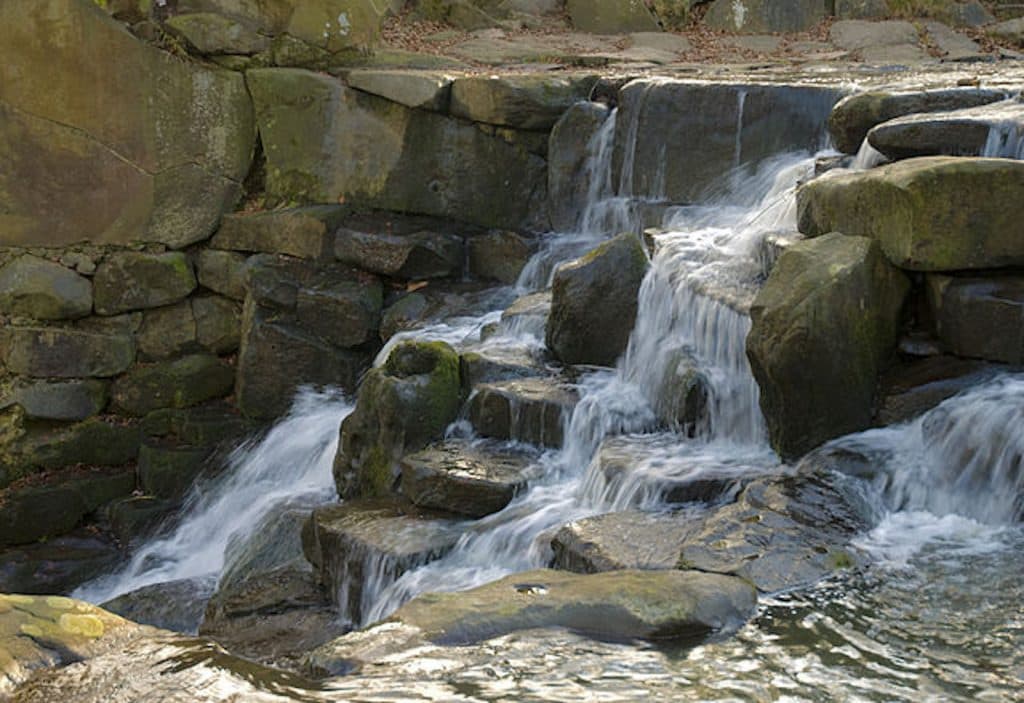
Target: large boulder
<point>718,126</point>
<point>40,289</point>
<point>988,130</point>
<point>569,182</point>
<point>822,327</point>
<point>328,143</point>
<point>520,101</point>
<point>128,160</point>
<point>594,302</point>
<point>929,214</point>
<point>979,317</point>
<point>765,16</point>
<point>659,605</point>
<point>402,406</point>
<point>855,115</point>
<point>611,16</point>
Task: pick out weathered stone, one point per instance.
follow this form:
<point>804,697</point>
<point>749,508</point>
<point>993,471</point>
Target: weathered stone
<point>781,533</point>
<point>528,314</point>
<point>302,232</point>
<point>218,323</point>
<point>49,631</point>
<point>337,25</point>
<point>172,384</point>
<point>822,326</point>
<point>384,155</point>
<point>167,332</point>
<point>964,132</point>
<point>57,565</point>
<point>498,363</point>
<point>929,214</point>
<point>594,301</point>
<point>402,406</point>
<point>222,272</point>
<point>531,410</point>
<point>952,45</point>
<point>67,401</point>
<point>205,425</point>
<point>127,159</point>
<point>569,183</point>
<point>347,543</point>
<point>611,16</point>
<point>719,126</point>
<point>981,318</point>
<point>618,605</point>
<point>135,281</point>
<point>623,540</point>
<point>1010,31</point>
<point>35,513</point>
<point>855,115</point>
<point>275,358</point>
<point>523,102</point>
<point>94,443</point>
<point>40,289</point>
<point>862,9</point>
<point>44,352</point>
<point>418,255</point>
<point>469,478</point>
<point>167,471</point>
<point>682,398</point>
<point>424,90</point>
<point>498,255</point>
<point>403,314</point>
<point>174,605</point>
<point>756,16</point>
<point>911,389</point>
<point>133,519</point>
<point>890,41</point>
<point>211,33</point>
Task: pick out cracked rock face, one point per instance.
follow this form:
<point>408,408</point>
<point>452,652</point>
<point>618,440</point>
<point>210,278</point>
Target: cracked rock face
<point>96,154</point>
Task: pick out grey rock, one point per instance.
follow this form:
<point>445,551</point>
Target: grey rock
<point>67,401</point>
<point>172,384</point>
<point>167,332</point>
<point>757,16</point>
<point>211,33</point>
<point>134,281</point>
<point>531,102</point>
<point>47,352</point>
<point>168,471</point>
<point>622,540</point>
<point>218,323</point>
<point>424,90</point>
<point>40,289</point>
<point>982,318</point>
<point>569,183</point>
<point>222,272</point>
<point>532,410</point>
<point>610,16</point>
<point>301,232</point>
<point>499,255</point>
<point>963,132</point>
<point>416,256</point>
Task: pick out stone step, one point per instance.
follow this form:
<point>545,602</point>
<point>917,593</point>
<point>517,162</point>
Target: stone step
<point>532,410</point>
<point>527,315</point>
<point>656,469</point>
<point>492,364</point>
<point>988,130</point>
<point>630,539</point>
<point>359,547</point>
<point>474,478</point>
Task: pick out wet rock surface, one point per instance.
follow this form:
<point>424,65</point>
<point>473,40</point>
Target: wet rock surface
<point>967,132</point>
<point>469,478</point>
<point>531,410</point>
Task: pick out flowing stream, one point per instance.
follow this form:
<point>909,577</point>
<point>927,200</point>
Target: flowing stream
<point>936,616</point>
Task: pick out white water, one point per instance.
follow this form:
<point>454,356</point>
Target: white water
<point>291,465</point>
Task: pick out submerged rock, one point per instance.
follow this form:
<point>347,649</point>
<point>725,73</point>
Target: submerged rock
<point>855,115</point>
<point>402,406</point>
<point>594,302</point>
<point>469,478</point>
<point>531,410</point>
<point>781,533</point>
<point>933,213</point>
<point>822,326</point>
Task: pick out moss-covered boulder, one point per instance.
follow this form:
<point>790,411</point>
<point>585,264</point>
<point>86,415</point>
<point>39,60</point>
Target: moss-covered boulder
<point>134,281</point>
<point>822,327</point>
<point>327,143</point>
<point>40,289</point>
<point>51,352</point>
<point>127,159</point>
<point>594,302</point>
<point>402,407</point>
<point>929,214</point>
<point>172,384</point>
<point>854,116</point>
<point>761,16</point>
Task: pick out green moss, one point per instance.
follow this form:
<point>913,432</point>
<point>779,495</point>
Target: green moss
<point>376,477</point>
<point>840,559</point>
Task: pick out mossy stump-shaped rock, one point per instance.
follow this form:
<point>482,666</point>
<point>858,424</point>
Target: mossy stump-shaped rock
<point>594,301</point>
<point>822,327</point>
<point>402,406</point>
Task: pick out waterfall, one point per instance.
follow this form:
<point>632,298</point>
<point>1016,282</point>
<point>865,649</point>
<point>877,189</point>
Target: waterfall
<point>290,465</point>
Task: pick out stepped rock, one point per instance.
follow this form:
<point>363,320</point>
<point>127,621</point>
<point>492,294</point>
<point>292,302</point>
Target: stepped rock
<point>530,410</point>
<point>964,132</point>
<point>622,540</point>
<point>830,312</point>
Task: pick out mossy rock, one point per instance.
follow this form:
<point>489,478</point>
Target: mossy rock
<point>173,384</point>
<point>401,407</point>
<point>95,442</point>
<point>135,280</point>
<point>168,471</point>
<point>52,352</point>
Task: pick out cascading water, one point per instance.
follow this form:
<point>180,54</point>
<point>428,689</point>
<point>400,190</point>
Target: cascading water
<point>290,465</point>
